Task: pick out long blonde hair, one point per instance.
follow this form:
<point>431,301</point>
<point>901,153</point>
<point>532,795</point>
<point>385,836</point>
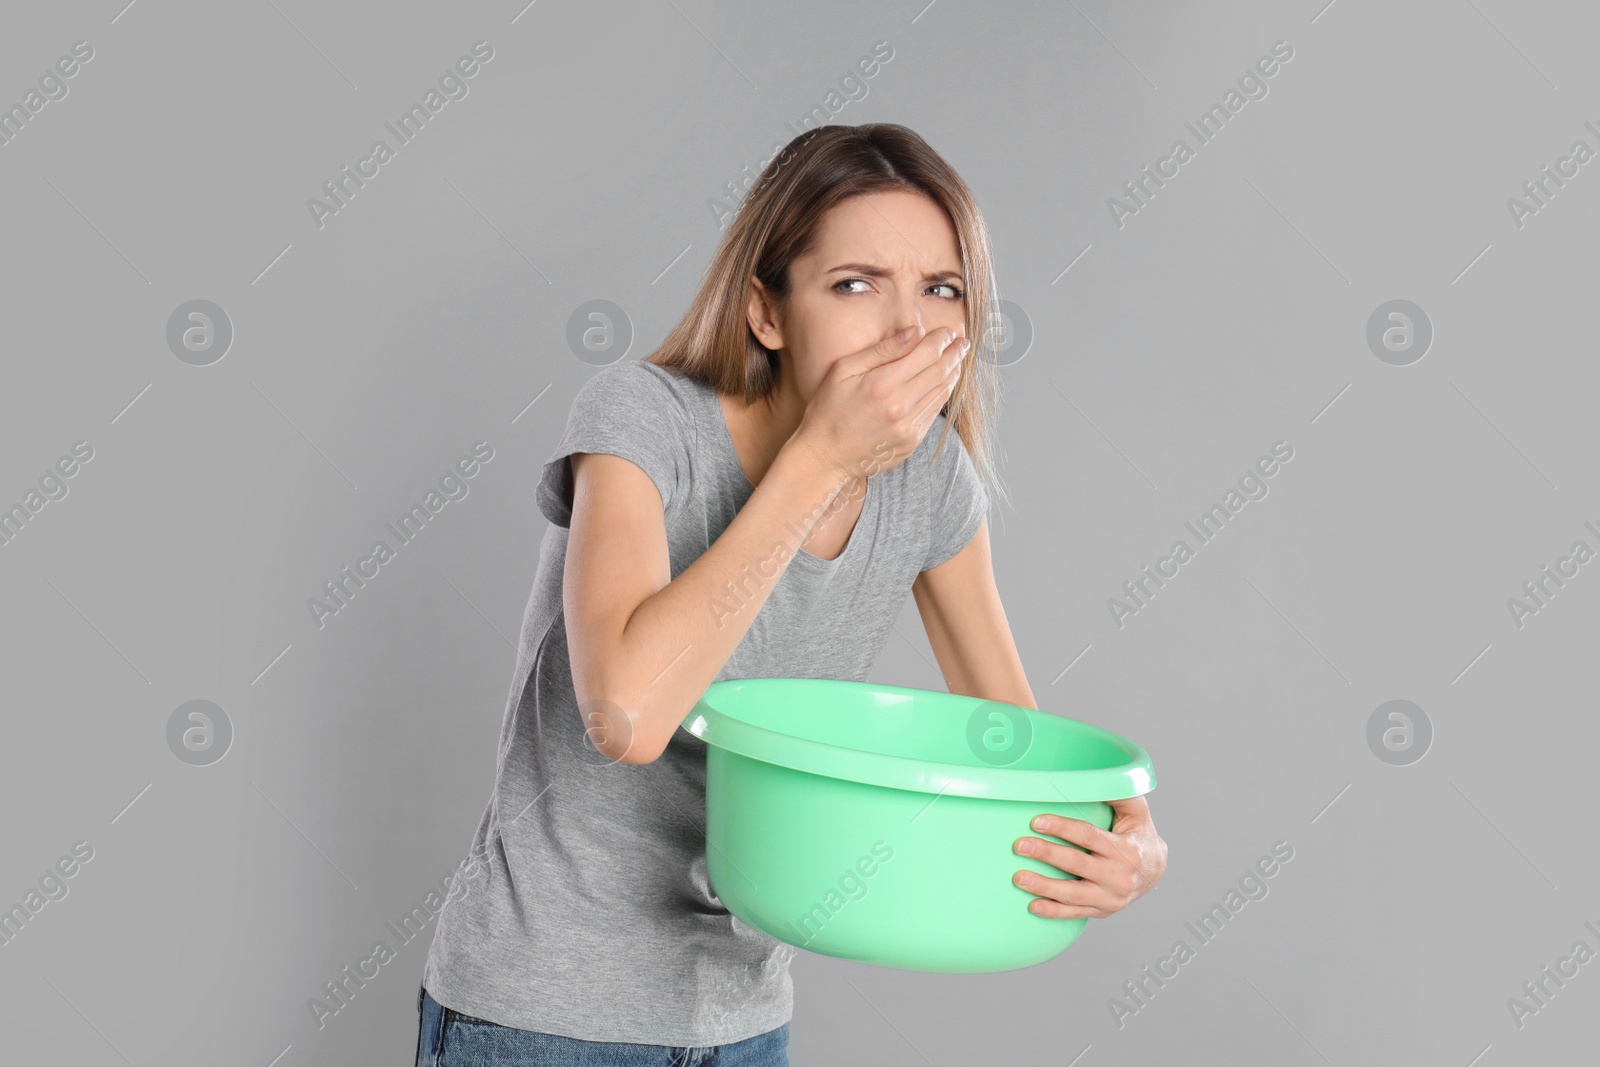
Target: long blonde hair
<point>777,222</point>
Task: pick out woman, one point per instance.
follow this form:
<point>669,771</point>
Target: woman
<point>755,499</point>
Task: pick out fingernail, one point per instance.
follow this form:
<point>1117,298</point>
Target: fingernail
<point>966,346</point>
<point>1026,848</point>
<point>1041,823</point>
<point>905,335</point>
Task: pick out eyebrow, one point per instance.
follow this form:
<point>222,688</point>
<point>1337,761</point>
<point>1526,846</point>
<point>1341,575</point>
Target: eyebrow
<point>874,271</point>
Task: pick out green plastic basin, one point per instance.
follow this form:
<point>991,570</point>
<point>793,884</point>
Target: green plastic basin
<point>876,822</point>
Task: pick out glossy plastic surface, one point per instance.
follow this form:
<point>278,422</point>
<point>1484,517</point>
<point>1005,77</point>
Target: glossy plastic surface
<point>876,822</point>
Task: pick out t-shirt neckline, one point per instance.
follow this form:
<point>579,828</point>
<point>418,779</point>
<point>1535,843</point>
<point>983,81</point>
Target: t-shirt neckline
<point>731,454</point>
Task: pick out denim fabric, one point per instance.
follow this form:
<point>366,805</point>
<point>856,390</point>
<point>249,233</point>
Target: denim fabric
<point>447,1038</point>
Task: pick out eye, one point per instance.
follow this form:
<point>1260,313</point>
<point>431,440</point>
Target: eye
<point>955,293</point>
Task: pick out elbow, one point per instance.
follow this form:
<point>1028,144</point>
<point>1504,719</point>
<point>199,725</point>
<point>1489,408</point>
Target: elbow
<point>635,750</point>
<point>621,731</point>
<point>638,756</point>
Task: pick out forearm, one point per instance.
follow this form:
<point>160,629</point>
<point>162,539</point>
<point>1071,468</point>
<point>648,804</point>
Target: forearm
<point>678,639</point>
<point>967,627</point>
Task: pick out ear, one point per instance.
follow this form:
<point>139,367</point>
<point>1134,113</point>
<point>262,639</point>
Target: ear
<point>762,315</point>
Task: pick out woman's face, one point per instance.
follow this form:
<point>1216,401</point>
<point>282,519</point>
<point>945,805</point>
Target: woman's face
<point>882,262</point>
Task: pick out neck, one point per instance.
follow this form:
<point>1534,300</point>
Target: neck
<point>761,429</point>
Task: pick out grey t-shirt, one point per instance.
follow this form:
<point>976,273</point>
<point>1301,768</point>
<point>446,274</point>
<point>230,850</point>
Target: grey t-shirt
<point>583,908</point>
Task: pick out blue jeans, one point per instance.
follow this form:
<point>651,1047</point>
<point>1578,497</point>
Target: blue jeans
<point>447,1038</point>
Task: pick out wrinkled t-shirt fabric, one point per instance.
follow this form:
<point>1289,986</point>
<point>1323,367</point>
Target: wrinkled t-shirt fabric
<point>583,908</point>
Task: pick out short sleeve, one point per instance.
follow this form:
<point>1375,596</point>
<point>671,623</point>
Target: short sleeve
<point>958,501</point>
<point>628,409</point>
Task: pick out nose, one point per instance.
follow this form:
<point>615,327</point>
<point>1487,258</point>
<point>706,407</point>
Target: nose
<point>907,312</point>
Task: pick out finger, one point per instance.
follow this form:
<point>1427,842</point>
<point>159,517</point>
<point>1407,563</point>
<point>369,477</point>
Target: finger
<point>884,351</point>
<point>1087,835</point>
<point>936,360</point>
<point>1133,809</point>
<point>1068,858</point>
<point>1049,909</point>
<point>927,364</point>
<point>1056,897</point>
<point>1120,882</point>
<point>939,380</point>
<point>929,406</point>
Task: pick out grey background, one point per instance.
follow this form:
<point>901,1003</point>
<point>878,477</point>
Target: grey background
<point>370,354</point>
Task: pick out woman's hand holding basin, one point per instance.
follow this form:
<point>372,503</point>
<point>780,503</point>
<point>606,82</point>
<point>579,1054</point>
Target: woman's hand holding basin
<point>1113,867</point>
